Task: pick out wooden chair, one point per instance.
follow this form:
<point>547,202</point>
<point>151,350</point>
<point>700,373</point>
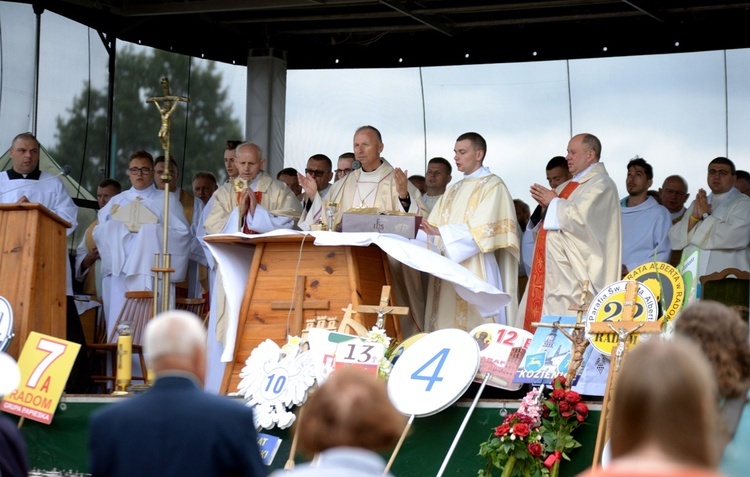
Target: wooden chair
<point>734,292</point>
<point>138,309</point>
<point>196,306</point>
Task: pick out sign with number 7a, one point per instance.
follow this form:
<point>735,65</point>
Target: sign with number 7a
<point>45,364</point>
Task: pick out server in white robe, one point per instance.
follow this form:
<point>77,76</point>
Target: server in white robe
<point>128,243</point>
<point>645,222</point>
<point>25,183</point>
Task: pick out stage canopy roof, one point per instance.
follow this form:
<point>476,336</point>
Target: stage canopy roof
<point>313,34</point>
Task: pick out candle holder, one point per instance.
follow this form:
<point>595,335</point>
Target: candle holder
<point>124,358</point>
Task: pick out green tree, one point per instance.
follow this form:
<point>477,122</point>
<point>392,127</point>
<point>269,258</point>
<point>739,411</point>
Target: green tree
<point>199,129</point>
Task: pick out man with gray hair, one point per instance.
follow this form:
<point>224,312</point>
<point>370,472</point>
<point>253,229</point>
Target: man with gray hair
<point>267,204</point>
<point>180,429</point>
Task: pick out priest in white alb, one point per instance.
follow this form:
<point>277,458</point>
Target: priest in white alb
<point>253,202</point>
<point>474,224</point>
<point>130,233</point>
<point>374,185</point>
<point>715,230</point>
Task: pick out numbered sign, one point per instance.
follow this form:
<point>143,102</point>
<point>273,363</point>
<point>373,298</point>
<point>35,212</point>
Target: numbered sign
<point>433,372</point>
<point>662,278</point>
<point>608,306</point>
<point>328,346</point>
<point>45,364</point>
<point>360,354</point>
<point>274,379</point>
<point>501,349</point>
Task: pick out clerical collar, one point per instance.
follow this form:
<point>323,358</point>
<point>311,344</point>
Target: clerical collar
<point>32,176</point>
<point>480,172</point>
<point>578,176</point>
<point>382,161</point>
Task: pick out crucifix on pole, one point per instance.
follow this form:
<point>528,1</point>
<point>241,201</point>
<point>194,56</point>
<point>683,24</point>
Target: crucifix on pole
<point>162,266</point>
<point>627,331</point>
<point>383,309</point>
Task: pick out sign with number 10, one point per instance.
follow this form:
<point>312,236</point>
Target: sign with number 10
<point>433,372</point>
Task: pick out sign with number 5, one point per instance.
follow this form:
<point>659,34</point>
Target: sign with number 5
<point>433,372</point>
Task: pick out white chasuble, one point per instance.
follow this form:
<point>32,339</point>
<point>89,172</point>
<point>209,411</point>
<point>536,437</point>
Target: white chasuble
<point>478,229</point>
<point>583,242</point>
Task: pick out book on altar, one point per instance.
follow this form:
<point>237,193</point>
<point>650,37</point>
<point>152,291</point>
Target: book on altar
<point>362,220</point>
<point>548,355</point>
<point>134,215</point>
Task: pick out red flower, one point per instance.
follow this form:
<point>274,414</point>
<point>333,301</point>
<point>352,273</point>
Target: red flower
<point>535,449</point>
<point>559,381</point>
<point>572,397</point>
<point>582,409</point>
<point>502,430</point>
<point>521,430</point>
<point>580,417</point>
<point>558,394</point>
<point>564,406</point>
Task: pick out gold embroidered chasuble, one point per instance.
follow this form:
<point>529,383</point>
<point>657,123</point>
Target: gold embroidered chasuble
<point>486,208</point>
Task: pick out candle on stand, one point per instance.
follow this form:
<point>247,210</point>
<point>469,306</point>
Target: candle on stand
<point>124,361</point>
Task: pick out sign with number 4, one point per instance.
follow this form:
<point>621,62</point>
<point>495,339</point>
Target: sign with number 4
<point>434,372</point>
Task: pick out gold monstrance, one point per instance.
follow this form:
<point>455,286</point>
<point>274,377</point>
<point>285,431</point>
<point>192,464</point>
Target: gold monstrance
<point>162,263</point>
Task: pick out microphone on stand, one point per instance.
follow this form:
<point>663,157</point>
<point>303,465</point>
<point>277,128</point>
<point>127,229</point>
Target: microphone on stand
<point>64,171</point>
<point>356,165</point>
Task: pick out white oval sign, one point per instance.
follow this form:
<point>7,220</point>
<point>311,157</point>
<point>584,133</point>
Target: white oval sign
<point>433,372</point>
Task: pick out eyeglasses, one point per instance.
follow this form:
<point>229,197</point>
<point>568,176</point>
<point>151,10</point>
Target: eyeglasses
<point>315,173</point>
<point>678,193</point>
<point>342,171</point>
<point>140,171</point>
<point>721,172</point>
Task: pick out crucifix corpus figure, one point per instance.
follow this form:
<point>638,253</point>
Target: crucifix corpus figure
<point>170,103</point>
<point>622,341</point>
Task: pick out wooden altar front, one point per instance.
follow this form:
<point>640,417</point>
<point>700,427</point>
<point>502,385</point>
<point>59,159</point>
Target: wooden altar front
<point>292,280</point>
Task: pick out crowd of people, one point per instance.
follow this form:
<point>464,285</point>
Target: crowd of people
<point>580,231</point>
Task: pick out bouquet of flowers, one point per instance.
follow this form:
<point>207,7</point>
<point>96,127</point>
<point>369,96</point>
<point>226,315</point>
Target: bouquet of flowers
<point>516,446</point>
<point>564,412</point>
<point>532,441</point>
